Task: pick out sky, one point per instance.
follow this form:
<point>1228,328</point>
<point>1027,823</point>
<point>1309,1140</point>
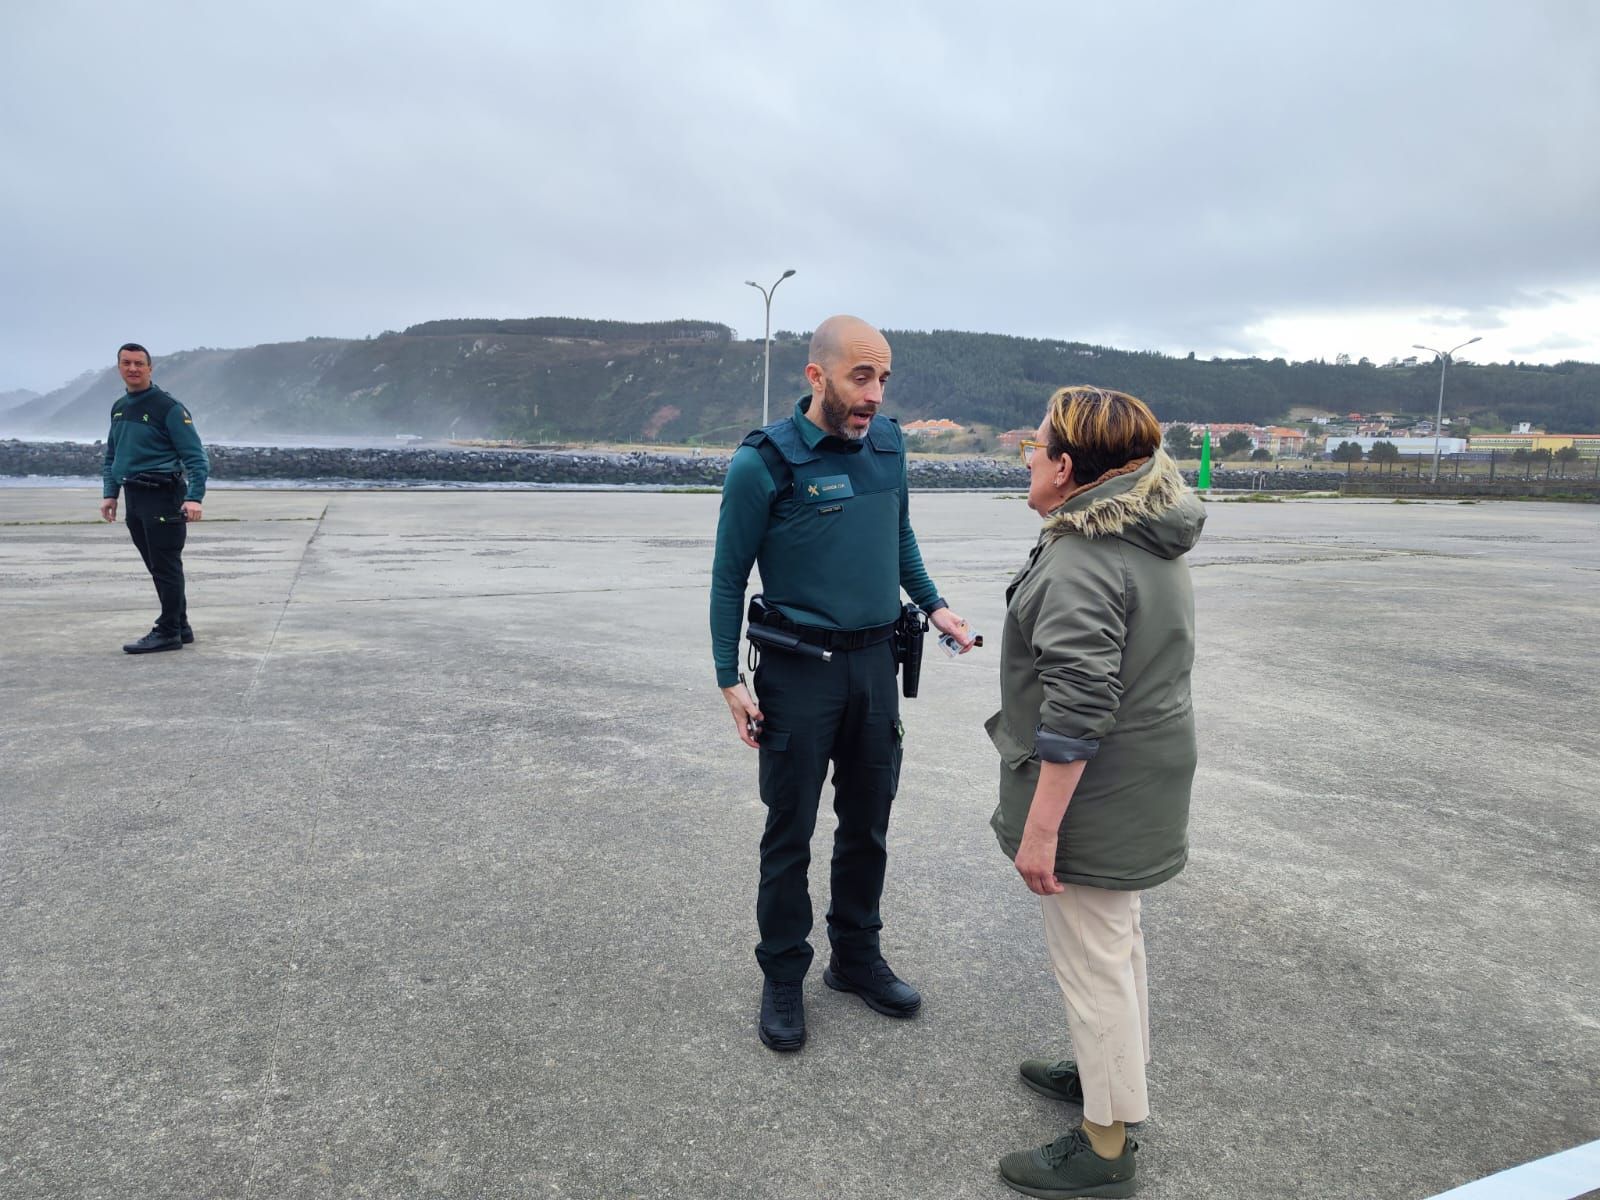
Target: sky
<point>1228,179</point>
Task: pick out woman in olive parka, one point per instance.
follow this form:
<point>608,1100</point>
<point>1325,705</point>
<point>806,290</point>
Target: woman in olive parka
<point>1096,739</point>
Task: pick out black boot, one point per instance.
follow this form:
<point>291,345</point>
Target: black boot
<point>783,1015</point>
<point>153,641</point>
<point>874,982</point>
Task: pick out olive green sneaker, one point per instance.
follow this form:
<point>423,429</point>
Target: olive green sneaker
<point>1069,1167</point>
<point>1058,1080</point>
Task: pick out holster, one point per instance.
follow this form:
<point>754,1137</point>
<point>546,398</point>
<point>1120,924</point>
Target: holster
<point>907,643</point>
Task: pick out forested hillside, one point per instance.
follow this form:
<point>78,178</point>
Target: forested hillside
<point>552,378</point>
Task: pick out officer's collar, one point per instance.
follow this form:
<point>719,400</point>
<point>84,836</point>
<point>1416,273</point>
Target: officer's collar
<point>814,435</point>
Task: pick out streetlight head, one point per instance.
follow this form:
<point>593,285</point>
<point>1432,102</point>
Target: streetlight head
<point>1476,339</point>
<point>790,272</point>
<point>1430,349</point>
<point>752,283</point>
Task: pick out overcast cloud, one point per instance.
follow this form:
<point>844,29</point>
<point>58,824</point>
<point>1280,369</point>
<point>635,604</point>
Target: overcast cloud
<point>1228,178</point>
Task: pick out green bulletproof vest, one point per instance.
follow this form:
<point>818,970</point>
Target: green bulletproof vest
<point>831,554</point>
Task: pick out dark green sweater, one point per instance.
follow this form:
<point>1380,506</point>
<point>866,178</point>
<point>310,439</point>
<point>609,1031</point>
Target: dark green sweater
<point>150,431</point>
<point>834,549</point>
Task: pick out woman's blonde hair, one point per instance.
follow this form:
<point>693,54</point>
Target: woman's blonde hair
<point>1102,430</point>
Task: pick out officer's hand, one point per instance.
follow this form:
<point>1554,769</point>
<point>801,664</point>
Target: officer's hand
<point>191,510</point>
<point>108,509</point>
<point>946,621</point>
<point>744,711</point>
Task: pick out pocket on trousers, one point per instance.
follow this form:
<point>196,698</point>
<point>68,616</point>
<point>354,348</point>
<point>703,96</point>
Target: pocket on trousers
<point>898,732</point>
<point>778,780</point>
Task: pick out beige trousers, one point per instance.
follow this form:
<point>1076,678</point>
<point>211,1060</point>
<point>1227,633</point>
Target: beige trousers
<point>1097,948</point>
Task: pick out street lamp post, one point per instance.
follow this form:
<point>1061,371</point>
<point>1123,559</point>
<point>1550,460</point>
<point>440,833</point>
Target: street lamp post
<point>766,374</point>
<point>1438,421</point>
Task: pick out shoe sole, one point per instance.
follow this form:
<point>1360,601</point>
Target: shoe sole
<point>1111,1191</point>
<point>839,985</point>
<point>153,649</point>
<point>781,1045</point>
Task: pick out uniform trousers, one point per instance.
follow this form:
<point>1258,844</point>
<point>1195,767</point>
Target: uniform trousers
<point>1096,945</point>
<point>155,522</point>
<point>847,713</point>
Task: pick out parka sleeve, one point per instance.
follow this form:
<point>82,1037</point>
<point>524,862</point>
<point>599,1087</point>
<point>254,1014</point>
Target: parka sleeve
<point>1080,627</point>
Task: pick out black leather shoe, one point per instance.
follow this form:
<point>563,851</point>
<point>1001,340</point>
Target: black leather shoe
<point>186,635</point>
<point>783,1015</point>
<point>153,641</point>
<point>874,982</point>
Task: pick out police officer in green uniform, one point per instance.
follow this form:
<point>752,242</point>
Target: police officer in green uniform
<point>819,500</point>
<point>154,456</point>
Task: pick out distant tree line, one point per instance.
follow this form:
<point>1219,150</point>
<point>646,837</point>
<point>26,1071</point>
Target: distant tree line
<point>578,327</point>
<point>562,378</point>
<point>1004,381</point>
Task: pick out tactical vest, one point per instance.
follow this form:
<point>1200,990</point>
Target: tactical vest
<point>831,554</point>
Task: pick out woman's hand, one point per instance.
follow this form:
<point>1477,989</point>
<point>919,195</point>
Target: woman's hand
<point>1036,861</point>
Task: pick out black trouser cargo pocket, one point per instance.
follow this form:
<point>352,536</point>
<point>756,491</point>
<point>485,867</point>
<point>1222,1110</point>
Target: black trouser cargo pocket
<point>779,779</point>
<point>899,733</point>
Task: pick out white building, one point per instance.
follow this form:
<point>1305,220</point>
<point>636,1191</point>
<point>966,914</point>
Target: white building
<point>1406,445</point>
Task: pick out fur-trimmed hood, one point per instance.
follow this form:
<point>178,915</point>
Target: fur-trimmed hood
<point>1151,508</point>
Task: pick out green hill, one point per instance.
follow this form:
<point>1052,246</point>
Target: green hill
<point>554,378</point>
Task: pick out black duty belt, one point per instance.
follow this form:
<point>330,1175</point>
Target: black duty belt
<point>828,639</point>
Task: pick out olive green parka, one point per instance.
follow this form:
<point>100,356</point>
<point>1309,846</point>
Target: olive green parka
<point>1095,664</point>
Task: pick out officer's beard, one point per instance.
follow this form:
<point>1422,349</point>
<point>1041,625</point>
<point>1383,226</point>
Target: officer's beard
<point>836,414</point>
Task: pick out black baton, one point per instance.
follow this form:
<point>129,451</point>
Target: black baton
<point>765,635</point>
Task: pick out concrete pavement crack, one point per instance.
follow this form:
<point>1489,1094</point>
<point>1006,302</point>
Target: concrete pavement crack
<point>249,694</point>
<point>259,1131</point>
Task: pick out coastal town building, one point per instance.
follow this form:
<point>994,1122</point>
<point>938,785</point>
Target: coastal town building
<point>1406,445</point>
<point>1588,444</point>
<point>931,428</point>
<point>1284,442</point>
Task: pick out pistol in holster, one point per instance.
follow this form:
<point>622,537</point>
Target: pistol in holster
<point>907,643</point>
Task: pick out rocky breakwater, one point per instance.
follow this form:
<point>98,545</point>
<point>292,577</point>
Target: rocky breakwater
<point>314,464</point>
<point>576,467</point>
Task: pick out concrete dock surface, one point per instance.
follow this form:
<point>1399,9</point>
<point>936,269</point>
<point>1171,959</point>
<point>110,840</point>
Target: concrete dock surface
<point>429,870</point>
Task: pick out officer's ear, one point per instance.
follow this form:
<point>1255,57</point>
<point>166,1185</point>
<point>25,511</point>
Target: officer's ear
<point>815,376</point>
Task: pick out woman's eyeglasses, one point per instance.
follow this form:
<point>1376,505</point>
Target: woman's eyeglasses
<point>1028,447</point>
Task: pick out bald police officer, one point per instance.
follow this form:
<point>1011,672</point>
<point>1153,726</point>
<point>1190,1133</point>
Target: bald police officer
<point>819,500</point>
<point>154,456</point>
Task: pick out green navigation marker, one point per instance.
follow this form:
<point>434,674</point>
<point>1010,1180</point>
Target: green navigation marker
<point>1203,479</point>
